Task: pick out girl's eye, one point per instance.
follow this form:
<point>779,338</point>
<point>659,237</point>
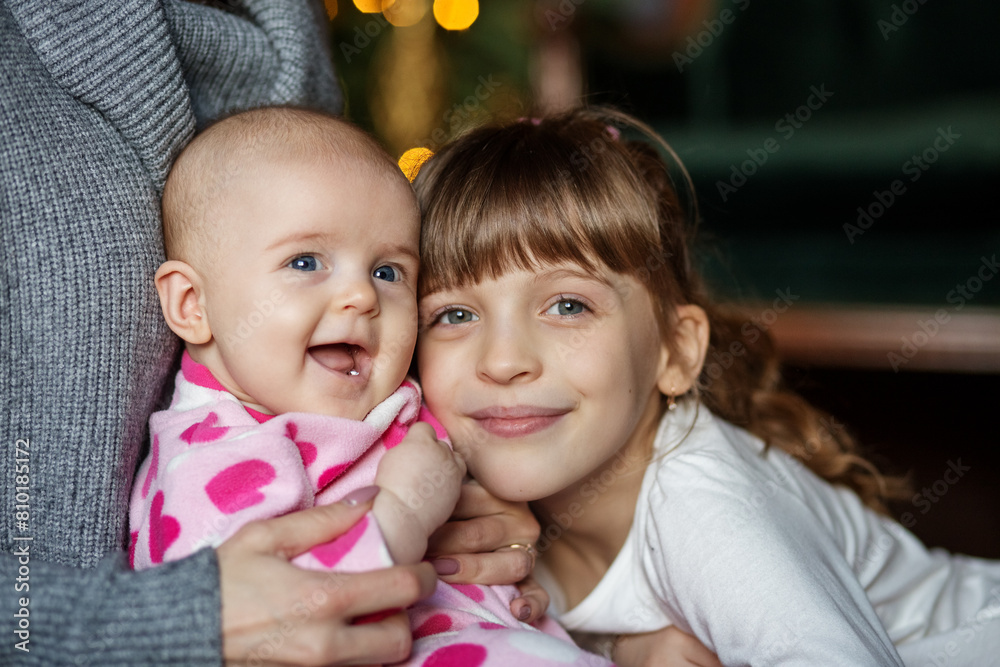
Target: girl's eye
<point>566,307</point>
<point>386,273</point>
<point>456,316</point>
<point>305,263</point>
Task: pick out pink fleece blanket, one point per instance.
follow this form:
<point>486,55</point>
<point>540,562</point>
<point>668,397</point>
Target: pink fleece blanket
<point>214,465</point>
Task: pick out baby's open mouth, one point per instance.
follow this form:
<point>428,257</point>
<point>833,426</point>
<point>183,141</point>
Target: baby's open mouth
<point>339,357</point>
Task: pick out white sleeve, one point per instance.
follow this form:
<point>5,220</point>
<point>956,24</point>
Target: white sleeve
<point>746,567</point>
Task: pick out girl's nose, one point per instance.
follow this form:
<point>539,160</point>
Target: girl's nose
<point>508,354</point>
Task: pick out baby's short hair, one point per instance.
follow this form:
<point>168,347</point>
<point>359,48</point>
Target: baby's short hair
<point>241,144</point>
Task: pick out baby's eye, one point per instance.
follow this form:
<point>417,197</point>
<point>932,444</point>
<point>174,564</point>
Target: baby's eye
<point>305,263</point>
<point>566,307</point>
<point>456,316</point>
<point>386,273</point>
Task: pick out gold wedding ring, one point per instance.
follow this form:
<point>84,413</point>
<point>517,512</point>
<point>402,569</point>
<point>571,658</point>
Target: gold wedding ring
<point>526,546</point>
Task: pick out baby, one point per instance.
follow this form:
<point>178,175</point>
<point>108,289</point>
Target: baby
<point>292,245</point>
<point>292,242</point>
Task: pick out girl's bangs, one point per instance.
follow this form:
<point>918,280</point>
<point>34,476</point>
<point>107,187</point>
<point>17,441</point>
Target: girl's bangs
<point>524,196</point>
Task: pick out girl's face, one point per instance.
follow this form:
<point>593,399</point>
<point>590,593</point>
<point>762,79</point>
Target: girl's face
<point>541,377</point>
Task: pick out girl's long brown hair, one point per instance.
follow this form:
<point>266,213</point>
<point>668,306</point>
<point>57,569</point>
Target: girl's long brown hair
<point>575,187</point>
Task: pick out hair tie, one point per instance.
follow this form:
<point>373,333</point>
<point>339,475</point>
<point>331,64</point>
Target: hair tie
<point>412,160</point>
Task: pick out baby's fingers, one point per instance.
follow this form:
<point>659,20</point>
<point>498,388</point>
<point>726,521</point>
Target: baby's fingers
<point>532,603</point>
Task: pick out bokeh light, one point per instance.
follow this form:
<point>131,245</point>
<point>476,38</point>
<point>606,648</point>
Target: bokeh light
<point>406,86</point>
<point>368,6</point>
<point>414,158</point>
<point>456,14</point>
<point>331,8</point>
<point>402,13</point>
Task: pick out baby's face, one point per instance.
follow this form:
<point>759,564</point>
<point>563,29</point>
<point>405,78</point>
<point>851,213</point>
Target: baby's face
<point>312,305</point>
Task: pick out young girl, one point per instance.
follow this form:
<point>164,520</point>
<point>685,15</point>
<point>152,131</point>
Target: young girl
<point>563,345</point>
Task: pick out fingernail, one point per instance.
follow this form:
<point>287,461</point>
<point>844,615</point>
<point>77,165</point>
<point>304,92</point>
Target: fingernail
<point>445,566</point>
<point>360,496</point>
<point>524,613</point>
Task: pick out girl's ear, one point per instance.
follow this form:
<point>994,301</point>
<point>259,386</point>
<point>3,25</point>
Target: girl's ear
<point>180,288</point>
<point>679,370</point>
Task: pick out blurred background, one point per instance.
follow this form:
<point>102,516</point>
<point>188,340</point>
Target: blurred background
<point>845,155</point>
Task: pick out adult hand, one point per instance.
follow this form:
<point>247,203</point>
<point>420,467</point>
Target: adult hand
<point>276,613</point>
<point>474,547</point>
<point>668,647</point>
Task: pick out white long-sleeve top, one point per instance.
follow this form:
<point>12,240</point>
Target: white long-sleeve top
<point>767,564</point>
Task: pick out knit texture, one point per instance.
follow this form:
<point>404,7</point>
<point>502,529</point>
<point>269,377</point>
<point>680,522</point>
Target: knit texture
<point>96,100</point>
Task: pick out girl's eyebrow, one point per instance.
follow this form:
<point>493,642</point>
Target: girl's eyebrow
<point>572,272</point>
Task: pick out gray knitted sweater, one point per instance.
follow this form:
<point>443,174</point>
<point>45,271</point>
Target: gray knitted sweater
<point>96,98</point>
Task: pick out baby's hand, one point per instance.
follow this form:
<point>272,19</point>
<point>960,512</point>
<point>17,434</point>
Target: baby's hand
<point>423,478</point>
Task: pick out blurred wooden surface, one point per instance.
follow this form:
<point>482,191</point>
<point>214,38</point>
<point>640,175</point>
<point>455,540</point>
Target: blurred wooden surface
<point>890,338</point>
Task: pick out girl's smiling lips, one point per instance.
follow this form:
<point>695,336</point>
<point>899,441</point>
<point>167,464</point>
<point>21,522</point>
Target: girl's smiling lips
<point>517,421</point>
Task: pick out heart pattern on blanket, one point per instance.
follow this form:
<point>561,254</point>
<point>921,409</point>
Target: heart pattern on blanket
<point>457,655</point>
<point>238,486</point>
<point>163,529</point>
<point>133,538</point>
<point>330,553</point>
<point>154,463</point>
<point>436,624</point>
<point>394,435</point>
<point>471,591</point>
<point>331,474</point>
<point>204,431</point>
<point>307,450</point>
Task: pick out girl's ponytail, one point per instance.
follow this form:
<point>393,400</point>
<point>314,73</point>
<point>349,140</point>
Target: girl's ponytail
<point>741,380</point>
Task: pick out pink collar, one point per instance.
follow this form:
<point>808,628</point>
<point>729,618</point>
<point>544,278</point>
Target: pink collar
<point>198,374</point>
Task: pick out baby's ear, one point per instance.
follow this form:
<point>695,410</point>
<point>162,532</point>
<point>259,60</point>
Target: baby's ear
<point>180,289</point>
<point>679,370</point>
